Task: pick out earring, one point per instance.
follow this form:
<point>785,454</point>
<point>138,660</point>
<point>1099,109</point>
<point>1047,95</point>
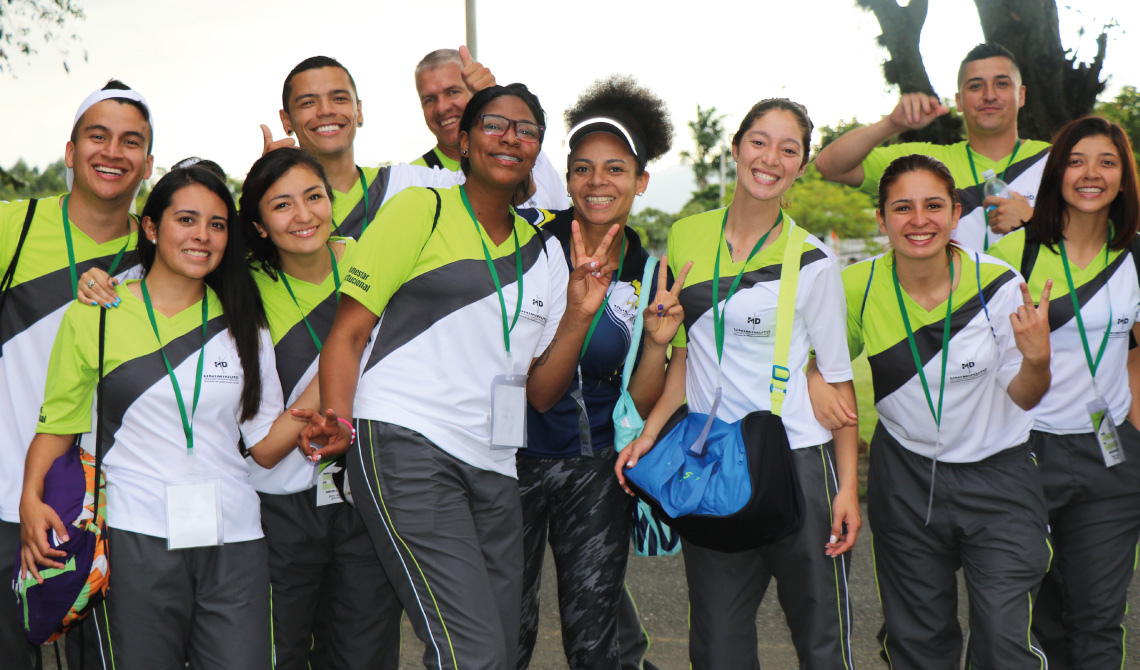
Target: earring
<point>154,240</point>
<point>463,152</point>
<point>359,124</point>
<point>289,133</point>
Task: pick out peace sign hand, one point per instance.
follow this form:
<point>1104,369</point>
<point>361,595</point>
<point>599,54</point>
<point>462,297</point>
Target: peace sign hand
<point>591,276</point>
<point>1031,326</point>
<point>664,315</point>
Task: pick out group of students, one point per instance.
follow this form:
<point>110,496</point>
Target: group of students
<point>394,386</point>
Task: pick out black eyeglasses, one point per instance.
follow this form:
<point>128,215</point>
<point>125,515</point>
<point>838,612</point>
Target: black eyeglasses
<point>497,126</point>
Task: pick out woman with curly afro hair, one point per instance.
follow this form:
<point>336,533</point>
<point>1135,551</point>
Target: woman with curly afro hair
<point>569,496</point>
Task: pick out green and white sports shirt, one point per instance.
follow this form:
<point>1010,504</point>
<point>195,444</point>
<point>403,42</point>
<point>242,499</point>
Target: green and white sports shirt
<point>1023,177</point>
<point>750,334</point>
<point>142,431</point>
<point>979,419</point>
<point>1108,299</point>
<point>40,294</point>
<point>439,342</point>
<point>383,183</point>
<point>296,357</point>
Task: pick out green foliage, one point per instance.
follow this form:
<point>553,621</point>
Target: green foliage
<point>1125,110</point>
<point>24,24</point>
<point>821,206</point>
<point>828,134</point>
<point>710,137</point>
<point>29,182</point>
<point>653,226</point>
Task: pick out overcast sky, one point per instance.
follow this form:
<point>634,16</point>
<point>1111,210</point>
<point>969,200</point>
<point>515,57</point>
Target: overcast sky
<point>212,69</point>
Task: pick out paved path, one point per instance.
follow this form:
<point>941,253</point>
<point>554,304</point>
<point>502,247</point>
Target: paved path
<point>658,585</point>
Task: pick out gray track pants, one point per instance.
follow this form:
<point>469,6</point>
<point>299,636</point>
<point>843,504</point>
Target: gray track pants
<point>449,536</point>
<point>208,606</point>
<point>725,589</point>
<point>988,519</point>
<point>1094,513</point>
<point>15,651</point>
<point>332,604</point>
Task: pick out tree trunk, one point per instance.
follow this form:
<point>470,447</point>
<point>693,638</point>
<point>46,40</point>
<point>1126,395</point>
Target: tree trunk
<point>902,27</point>
<point>1057,88</point>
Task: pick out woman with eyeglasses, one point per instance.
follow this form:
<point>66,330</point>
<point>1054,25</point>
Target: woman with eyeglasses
<point>569,495</point>
<point>472,315</point>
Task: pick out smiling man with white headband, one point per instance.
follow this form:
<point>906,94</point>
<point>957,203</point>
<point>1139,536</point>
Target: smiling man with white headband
<point>44,246</point>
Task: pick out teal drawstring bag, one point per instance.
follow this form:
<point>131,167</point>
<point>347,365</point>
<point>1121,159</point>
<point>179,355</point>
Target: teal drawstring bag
<point>651,535</point>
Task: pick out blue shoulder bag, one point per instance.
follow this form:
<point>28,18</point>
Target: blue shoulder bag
<point>731,487</point>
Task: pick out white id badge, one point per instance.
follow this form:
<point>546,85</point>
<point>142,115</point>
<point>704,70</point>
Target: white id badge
<point>508,412</point>
<point>194,512</point>
<point>1106,435</point>
<point>327,492</point>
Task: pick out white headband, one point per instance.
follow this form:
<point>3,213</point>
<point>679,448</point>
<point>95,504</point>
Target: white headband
<point>108,94</point>
<point>605,121</point>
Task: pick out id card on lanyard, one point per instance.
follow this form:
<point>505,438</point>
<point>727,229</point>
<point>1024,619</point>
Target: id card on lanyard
<point>194,496</point>
<point>1103,425</point>
<point>508,390</point>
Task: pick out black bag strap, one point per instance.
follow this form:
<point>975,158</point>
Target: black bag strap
<point>10,273</point>
<point>432,160</point>
<point>99,414</point>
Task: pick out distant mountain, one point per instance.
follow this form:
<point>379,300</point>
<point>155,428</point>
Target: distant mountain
<point>669,189</point>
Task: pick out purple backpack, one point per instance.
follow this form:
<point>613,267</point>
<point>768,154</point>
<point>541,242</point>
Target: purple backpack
<point>73,487</point>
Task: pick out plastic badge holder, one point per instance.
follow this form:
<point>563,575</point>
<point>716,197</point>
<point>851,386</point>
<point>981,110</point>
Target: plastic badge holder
<point>508,412</point>
<point>194,512</point>
<point>1106,435</point>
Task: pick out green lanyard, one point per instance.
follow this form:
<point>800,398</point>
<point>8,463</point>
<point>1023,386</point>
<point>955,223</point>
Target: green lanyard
<point>598,315</point>
<point>719,313</point>
<point>914,347</point>
<point>364,189</point>
<point>71,251</point>
<point>304,317</point>
<point>974,171</point>
<point>1093,364</point>
<point>187,421</point>
<point>495,274</point>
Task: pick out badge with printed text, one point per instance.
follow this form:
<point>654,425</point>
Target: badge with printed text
<point>194,512</point>
<point>1106,435</point>
<point>508,412</point>
<point>327,492</point>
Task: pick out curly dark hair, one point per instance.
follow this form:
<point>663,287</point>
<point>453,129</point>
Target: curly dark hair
<point>621,98</point>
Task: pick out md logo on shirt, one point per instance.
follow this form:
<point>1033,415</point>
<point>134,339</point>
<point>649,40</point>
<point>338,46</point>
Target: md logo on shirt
<point>534,309</point>
<point>752,326</point>
<point>221,371</point>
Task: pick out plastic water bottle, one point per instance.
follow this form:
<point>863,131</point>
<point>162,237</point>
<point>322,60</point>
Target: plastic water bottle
<point>994,186</point>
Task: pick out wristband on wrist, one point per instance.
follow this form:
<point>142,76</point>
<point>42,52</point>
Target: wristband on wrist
<point>352,430</point>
